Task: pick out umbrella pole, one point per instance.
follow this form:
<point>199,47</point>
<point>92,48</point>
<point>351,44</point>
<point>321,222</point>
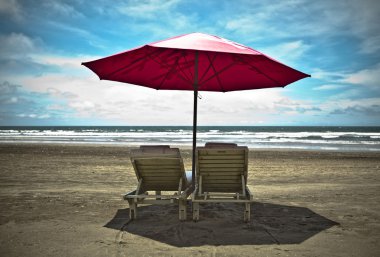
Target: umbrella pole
<point>194,135</point>
<point>195,117</point>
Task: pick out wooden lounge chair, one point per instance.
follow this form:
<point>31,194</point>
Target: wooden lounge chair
<point>158,169</point>
<point>222,177</point>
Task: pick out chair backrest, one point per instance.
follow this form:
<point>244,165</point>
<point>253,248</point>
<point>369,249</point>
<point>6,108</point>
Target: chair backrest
<point>159,170</point>
<point>152,147</point>
<point>155,152</point>
<point>221,169</point>
<point>220,145</point>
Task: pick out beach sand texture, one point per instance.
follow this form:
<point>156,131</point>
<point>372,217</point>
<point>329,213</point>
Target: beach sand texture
<point>65,200</point>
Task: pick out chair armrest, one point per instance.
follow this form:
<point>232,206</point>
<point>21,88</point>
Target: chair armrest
<point>130,193</point>
<point>250,195</point>
<point>187,192</point>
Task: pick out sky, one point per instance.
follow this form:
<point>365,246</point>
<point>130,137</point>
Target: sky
<point>43,43</point>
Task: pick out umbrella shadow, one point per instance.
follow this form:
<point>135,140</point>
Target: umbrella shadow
<point>222,224</point>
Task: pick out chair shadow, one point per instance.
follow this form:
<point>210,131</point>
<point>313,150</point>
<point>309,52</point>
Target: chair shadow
<point>222,224</point>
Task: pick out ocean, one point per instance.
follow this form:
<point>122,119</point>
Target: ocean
<point>317,138</point>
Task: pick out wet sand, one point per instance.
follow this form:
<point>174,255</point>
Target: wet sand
<point>65,200</point>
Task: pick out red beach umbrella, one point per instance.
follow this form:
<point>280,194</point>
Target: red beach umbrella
<point>195,62</point>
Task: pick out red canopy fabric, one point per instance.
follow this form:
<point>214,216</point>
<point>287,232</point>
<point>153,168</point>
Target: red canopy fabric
<point>223,65</point>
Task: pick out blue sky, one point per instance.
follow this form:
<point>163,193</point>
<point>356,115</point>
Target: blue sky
<point>42,44</point>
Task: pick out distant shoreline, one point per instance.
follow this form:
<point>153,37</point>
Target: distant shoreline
<point>264,137</point>
<point>182,147</point>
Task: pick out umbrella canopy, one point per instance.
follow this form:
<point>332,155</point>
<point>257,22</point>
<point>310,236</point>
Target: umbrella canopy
<point>223,66</point>
<point>196,62</point>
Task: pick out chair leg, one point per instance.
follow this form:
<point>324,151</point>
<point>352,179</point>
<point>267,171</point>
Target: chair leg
<point>247,212</point>
<point>158,193</point>
<point>132,209</point>
<point>182,209</point>
<point>195,211</point>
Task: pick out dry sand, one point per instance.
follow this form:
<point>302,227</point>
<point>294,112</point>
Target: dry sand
<point>65,200</point>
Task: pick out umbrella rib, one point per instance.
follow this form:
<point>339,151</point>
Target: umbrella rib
<point>216,74</point>
<point>133,63</point>
<point>191,74</point>
<point>250,65</point>
<point>208,68</point>
<point>183,70</point>
<point>172,68</point>
<point>160,62</point>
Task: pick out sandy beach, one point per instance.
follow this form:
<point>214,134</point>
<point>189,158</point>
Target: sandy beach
<point>65,200</point>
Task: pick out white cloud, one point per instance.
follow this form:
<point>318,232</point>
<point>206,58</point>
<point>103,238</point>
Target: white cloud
<point>16,58</point>
<point>92,38</point>
<point>157,19</point>
<point>8,89</point>
<point>21,54</point>
<point>368,77</point>
<point>288,52</point>
<point>352,18</point>
<point>64,9</point>
<point>261,20</point>
<point>134,105</point>
<point>13,100</point>
<point>125,104</point>
<point>12,8</point>
<point>65,64</point>
<point>84,108</point>
<point>44,116</point>
<point>320,19</point>
<point>18,45</point>
<point>252,107</point>
<point>364,106</point>
<point>327,75</point>
<point>340,79</point>
<point>252,25</point>
<point>33,116</point>
<point>147,9</point>
<point>329,87</point>
<point>365,19</point>
<point>59,60</point>
<point>370,44</point>
<point>55,107</point>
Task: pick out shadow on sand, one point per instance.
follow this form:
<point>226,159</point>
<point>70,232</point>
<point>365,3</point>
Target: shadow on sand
<point>222,224</point>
